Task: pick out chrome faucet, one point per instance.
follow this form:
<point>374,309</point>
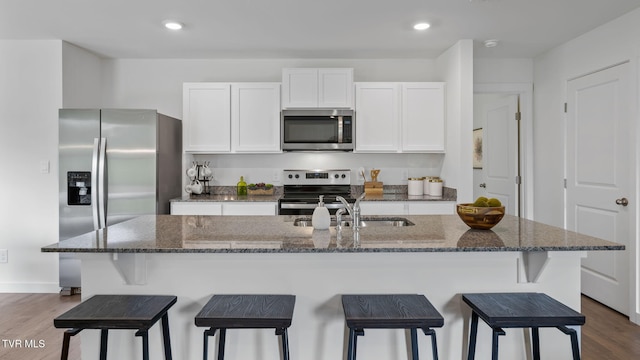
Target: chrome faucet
<point>353,210</point>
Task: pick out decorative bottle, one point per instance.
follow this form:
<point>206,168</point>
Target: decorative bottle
<point>321,220</point>
<point>241,188</point>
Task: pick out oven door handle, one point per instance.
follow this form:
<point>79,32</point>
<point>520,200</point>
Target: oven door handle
<point>309,206</point>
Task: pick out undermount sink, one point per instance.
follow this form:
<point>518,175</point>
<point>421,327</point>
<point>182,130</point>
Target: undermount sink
<point>364,222</point>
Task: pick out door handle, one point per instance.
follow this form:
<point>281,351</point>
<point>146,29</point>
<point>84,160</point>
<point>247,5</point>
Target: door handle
<point>622,201</point>
<point>483,185</point>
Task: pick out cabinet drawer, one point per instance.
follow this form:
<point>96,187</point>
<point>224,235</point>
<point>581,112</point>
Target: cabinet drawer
<point>253,208</point>
<point>196,208</point>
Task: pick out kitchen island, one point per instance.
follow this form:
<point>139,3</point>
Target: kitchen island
<point>195,257</point>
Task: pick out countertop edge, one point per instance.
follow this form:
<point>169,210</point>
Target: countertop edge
<point>51,249</point>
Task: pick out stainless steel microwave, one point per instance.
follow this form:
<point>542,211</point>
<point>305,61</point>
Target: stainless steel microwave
<point>317,130</point>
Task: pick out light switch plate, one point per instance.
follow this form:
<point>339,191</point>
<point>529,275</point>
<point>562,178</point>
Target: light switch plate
<point>44,166</point>
<point>4,255</point>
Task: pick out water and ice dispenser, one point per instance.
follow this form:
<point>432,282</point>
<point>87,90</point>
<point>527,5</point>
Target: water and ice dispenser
<point>79,188</point>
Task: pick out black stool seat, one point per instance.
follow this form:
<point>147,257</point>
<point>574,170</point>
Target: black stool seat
<point>106,312</point>
<point>521,310</point>
<point>392,311</point>
<point>246,312</point>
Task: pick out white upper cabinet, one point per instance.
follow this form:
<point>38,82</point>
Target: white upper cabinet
<point>231,117</point>
<point>423,117</point>
<point>206,114</point>
<point>255,117</point>
<point>400,117</point>
<point>317,88</point>
<point>377,117</point>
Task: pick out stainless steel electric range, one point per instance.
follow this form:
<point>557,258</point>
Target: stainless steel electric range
<point>302,189</point>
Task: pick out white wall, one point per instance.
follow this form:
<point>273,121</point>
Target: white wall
<point>495,71</point>
<point>81,77</point>
<point>157,84</point>
<point>455,67</point>
<point>30,95</point>
<point>607,45</point>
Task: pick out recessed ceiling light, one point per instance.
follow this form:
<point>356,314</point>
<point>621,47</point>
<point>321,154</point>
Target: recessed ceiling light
<point>172,25</point>
<point>491,43</point>
<point>421,26</point>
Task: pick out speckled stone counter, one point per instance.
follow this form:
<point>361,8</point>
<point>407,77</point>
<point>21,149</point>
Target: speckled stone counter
<point>228,197</point>
<point>273,234</point>
<point>194,257</point>
<point>391,193</point>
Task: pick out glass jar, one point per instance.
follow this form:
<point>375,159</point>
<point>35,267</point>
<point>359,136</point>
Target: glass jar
<point>241,188</point>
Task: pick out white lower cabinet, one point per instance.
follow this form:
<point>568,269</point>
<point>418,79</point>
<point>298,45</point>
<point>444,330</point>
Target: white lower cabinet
<point>249,208</point>
<point>224,208</point>
<point>389,208</point>
<point>431,207</point>
<point>196,208</point>
<point>383,208</point>
<point>407,207</point>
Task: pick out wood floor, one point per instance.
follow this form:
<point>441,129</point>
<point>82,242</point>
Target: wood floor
<point>607,335</point>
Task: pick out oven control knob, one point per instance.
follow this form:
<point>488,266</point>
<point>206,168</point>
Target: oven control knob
<point>336,176</point>
<point>290,176</point>
<point>344,176</point>
<point>297,176</point>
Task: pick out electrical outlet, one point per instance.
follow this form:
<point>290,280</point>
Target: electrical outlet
<point>44,166</point>
<point>276,176</point>
<point>4,256</point>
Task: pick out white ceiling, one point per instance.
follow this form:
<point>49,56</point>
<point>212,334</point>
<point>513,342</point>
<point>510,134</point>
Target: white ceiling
<point>306,28</point>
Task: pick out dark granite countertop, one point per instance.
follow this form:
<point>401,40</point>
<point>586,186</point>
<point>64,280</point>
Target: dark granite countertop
<point>227,198</point>
<point>277,234</point>
<point>391,193</point>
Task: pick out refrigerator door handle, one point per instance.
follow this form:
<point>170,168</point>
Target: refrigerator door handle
<point>102,174</point>
<point>94,183</point>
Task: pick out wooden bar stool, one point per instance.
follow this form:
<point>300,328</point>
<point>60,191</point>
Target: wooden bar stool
<point>107,312</point>
<point>521,310</point>
<point>224,312</point>
<point>391,312</point>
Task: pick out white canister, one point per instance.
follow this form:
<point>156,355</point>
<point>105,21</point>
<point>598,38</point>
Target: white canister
<point>435,187</point>
<point>426,184</point>
<point>415,186</point>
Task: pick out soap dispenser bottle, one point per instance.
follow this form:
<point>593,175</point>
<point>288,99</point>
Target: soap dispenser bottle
<point>321,218</point>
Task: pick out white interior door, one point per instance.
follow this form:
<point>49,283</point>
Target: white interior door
<point>598,178</point>
<point>500,152</point>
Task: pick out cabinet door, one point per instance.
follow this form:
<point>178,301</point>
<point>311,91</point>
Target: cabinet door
<point>255,117</point>
<point>299,88</point>
<point>431,207</point>
<point>377,117</point>
<point>196,208</point>
<point>335,88</point>
<point>207,117</point>
<point>249,208</point>
<point>423,117</point>
<point>383,208</point>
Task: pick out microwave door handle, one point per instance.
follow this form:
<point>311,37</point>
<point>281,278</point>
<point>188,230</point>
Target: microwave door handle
<point>340,129</point>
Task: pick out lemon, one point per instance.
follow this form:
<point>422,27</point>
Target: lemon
<point>480,203</point>
<point>493,202</point>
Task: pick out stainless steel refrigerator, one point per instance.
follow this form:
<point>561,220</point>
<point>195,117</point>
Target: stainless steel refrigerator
<point>114,165</point>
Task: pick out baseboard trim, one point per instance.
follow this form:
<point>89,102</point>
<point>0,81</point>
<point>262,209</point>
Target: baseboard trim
<point>29,287</point>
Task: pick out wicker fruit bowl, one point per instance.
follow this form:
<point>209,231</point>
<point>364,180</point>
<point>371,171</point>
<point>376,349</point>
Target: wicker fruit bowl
<point>483,218</point>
